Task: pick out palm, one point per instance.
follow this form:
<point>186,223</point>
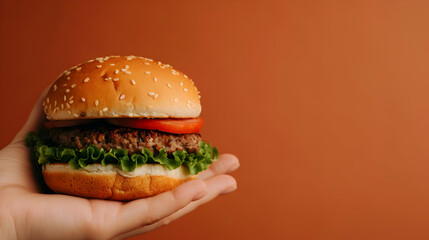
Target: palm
<point>31,214</point>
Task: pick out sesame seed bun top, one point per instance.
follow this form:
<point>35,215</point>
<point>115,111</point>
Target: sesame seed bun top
<point>129,87</point>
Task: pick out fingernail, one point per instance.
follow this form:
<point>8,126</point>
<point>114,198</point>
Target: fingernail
<point>233,168</point>
<point>200,195</point>
<point>230,189</point>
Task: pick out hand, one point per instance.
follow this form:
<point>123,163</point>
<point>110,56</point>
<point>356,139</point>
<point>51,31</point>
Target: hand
<point>25,213</point>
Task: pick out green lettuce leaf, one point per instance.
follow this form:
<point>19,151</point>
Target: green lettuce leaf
<point>170,162</point>
<point>201,161</point>
<point>89,155</point>
<point>82,158</point>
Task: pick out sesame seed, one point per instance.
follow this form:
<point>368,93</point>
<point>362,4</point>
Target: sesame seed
<point>185,76</point>
<point>71,101</point>
<point>162,66</point>
<point>67,90</point>
<point>69,112</point>
<point>55,110</point>
<point>105,109</point>
<point>55,103</point>
<point>159,63</point>
<point>116,71</point>
<point>96,103</point>
<point>185,89</point>
<point>126,66</point>
<point>55,87</point>
<point>86,80</point>
<point>68,105</point>
<point>129,58</point>
<point>151,94</point>
<point>122,97</point>
<point>83,99</point>
<point>92,60</point>
<point>106,79</point>
<point>106,58</point>
<point>181,84</point>
<point>169,85</point>
<point>199,97</point>
<point>176,100</point>
<point>65,84</point>
<point>74,114</point>
<point>79,68</point>
<point>155,79</point>
<point>68,78</point>
<point>100,112</point>
<point>62,106</point>
<point>47,100</point>
<point>116,79</point>
<point>146,63</point>
<point>156,96</point>
<point>71,98</point>
<point>112,64</point>
<point>125,71</point>
<point>133,82</point>
<point>98,66</point>
<point>65,98</point>
<point>100,59</point>
<point>67,72</point>
<point>147,72</point>
<point>167,65</point>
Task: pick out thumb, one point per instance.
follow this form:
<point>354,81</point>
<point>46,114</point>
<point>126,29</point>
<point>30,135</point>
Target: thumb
<point>35,120</point>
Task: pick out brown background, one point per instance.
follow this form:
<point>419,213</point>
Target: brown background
<point>325,102</point>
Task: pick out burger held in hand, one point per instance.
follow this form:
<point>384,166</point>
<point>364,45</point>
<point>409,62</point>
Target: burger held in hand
<point>121,128</point>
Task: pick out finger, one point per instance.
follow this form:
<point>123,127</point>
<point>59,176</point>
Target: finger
<point>142,212</point>
<point>225,164</point>
<point>215,186</point>
<point>35,120</point>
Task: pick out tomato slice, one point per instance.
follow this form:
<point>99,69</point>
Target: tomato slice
<point>67,123</point>
<point>189,125</point>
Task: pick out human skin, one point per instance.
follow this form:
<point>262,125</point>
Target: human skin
<point>25,213</point>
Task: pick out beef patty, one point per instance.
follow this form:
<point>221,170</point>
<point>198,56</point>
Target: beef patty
<point>133,140</point>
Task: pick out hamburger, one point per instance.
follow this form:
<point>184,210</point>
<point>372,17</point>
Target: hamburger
<point>121,128</point>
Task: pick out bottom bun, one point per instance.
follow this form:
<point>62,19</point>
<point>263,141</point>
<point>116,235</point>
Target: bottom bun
<point>109,182</point>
